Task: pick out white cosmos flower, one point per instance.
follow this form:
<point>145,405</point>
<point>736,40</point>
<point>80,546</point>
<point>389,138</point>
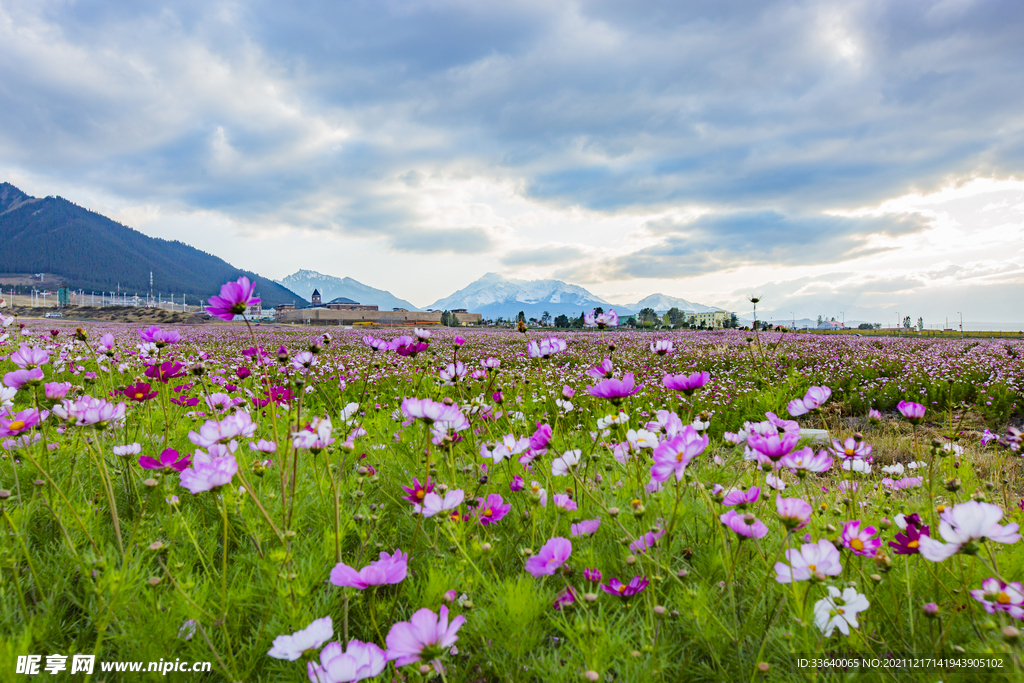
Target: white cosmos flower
<point>895,470</point>
<point>561,465</point>
<point>433,503</point>
<point>839,610</point>
<point>963,525</point>
<point>641,438</point>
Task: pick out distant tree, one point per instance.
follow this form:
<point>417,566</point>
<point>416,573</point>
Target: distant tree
<point>676,318</point>
<point>453,320</point>
<point>631,321</point>
<point>598,311</point>
<point>820,320</point>
<point>562,321</point>
<point>734,321</point>
<point>906,323</point>
<point>920,324</point>
<point>865,326</point>
<point>521,318</point>
<point>878,326</point>
<point>545,319</point>
<point>580,321</point>
<point>648,316</point>
<point>533,321</point>
<point>444,318</point>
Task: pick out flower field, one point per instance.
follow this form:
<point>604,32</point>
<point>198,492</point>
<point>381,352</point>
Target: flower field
<point>482,505</point>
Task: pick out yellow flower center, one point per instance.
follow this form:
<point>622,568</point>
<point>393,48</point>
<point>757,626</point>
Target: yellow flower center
<point>488,512</point>
<point>857,544</point>
<point>1003,598</point>
<point>139,394</point>
<point>913,544</point>
<point>849,452</point>
<point>940,509</point>
<point>420,494</point>
<point>621,588</point>
<point>812,567</point>
<point>17,424</point>
<point>679,457</point>
<point>840,610</point>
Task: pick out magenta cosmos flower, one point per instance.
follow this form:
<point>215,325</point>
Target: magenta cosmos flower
<point>741,498</point>
<point>417,492</point>
<point>293,646</point>
<point>208,472</point>
<point>169,460</point>
<point>794,513</point>
<point>165,372</point>
<point>357,662</point>
<point>811,559</point>
<point>234,298</point>
<point>492,509</point>
<point>615,389</point>
<point>686,383</point>
<point>859,540</point>
<point>806,460</point>
<point>55,391</point>
<point>773,446</point>
<point>747,525</point>
<point>812,400</point>
<point>908,539</point>
<point>386,570</point>
<point>852,448</point>
<point>430,411</point>
<point>996,596</point>
<point>585,527</point>
<point>13,424</point>
<point>603,370</point>
<point>912,411</point>
<point>138,392</point>
<point>671,457</point>
<point>155,335</point>
<point>552,555</point>
<point>625,590</point>
<point>425,636</point>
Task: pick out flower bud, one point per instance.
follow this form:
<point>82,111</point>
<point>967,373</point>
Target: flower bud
<point>931,610</point>
<point>613,512</point>
<point>1011,634</point>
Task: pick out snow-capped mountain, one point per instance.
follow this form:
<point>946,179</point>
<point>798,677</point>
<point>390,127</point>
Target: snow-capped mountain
<point>494,296</point>
<point>661,303</point>
<point>303,282</point>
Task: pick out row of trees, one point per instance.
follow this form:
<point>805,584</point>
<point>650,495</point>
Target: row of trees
<point>646,318</point>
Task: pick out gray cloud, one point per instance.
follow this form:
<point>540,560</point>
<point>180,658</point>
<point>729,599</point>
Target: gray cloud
<point>541,256</point>
<point>305,113</point>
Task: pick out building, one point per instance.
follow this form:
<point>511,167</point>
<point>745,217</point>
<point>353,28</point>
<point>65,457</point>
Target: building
<point>831,325</point>
<point>365,315</point>
<point>315,299</point>
<point>711,320</point>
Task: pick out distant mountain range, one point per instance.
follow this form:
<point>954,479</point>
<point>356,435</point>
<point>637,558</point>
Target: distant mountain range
<point>662,304</point>
<point>91,252</point>
<point>303,282</point>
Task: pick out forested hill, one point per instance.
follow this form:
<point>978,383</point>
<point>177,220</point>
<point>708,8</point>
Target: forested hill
<point>93,253</point>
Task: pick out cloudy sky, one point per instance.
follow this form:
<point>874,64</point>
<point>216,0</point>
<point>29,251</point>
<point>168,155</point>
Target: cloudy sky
<point>837,158</point>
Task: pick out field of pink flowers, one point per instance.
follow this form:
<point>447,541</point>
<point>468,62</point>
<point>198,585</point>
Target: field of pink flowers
<point>480,505</point>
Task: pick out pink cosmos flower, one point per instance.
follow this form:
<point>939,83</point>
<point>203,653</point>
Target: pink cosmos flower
<point>773,446</point>
<point>852,448</point>
<point>859,540</point>
<point>603,370</point>
<point>742,498</point>
<point>746,525</point>
<point>561,465</point>
<point>592,575</point>
<point>568,392</point>
<point>566,597</point>
<point>433,504</point>
<point>357,662</point>
<point>453,372</point>
<point>160,337</point>
<point>810,560</point>
<point>27,358</point>
<point>425,636</point>
<point>667,423</point>
<point>21,378</point>
<point>517,484</point>
<point>601,320</point>
<point>671,457</point>
<point>964,527</point>
<point>492,509</point>
<point>623,590</point>
<point>662,347</point>
<point>389,569</point>
<point>540,439</point>
<point>794,513</point>
<point>208,472</point>
<point>169,460</point>
<point>490,363</point>
<point>315,436</point>
<point>812,400</point>
<point>874,416</point>
<point>912,411</point>
<point>552,555</point>
<point>805,460</point>
<point>106,344</point>
<point>56,390</point>
<point>293,646</point>
<point>374,343</point>
<point>996,596</point>
<point>234,298</point>
<point>564,502</point>
<point>686,383</point>
<point>585,527</point>
<point>508,447</point>
<point>614,389</point>
<point>239,425</point>
<point>648,540</point>
<point>429,411</point>
<point>546,348</point>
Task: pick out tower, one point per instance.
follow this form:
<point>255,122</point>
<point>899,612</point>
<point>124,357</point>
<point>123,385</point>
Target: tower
<point>316,298</point>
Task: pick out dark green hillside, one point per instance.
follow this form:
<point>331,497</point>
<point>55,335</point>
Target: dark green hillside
<point>93,253</point>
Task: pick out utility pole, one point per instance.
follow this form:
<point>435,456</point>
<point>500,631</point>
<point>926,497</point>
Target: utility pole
<point>961,324</point>
<point>793,315</point>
